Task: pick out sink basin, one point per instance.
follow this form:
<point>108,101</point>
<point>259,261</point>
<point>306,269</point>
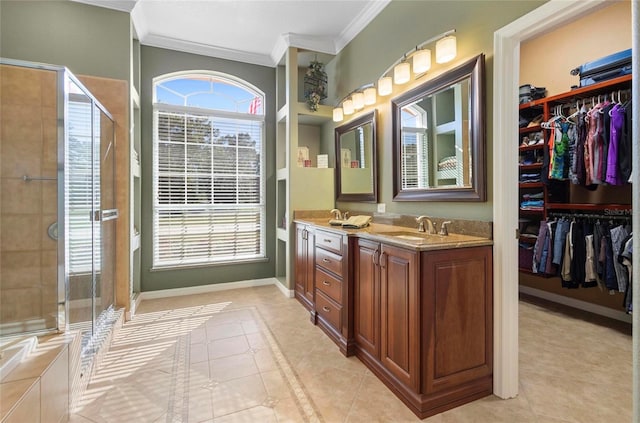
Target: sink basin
<point>411,236</point>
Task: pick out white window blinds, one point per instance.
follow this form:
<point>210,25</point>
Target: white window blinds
<point>208,187</point>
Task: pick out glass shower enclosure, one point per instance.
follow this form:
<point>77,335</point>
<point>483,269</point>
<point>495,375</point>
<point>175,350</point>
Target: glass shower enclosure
<point>58,214</point>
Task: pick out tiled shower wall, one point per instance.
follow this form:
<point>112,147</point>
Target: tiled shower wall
<point>28,146</point>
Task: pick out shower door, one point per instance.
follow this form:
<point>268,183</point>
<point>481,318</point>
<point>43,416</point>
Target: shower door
<point>89,212</point>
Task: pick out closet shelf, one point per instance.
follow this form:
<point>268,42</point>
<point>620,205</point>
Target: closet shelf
<point>534,166</point>
<point>587,206</point>
<point>528,129</point>
<point>538,102</point>
<point>600,88</point>
<point>531,147</point>
<point>531,185</point>
<point>528,211</point>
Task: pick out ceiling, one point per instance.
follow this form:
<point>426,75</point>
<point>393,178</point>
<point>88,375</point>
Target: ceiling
<point>250,31</point>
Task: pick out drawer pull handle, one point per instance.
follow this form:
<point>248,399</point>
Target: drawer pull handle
<point>327,283</point>
<point>325,308</point>
<point>326,260</point>
<point>327,240</point>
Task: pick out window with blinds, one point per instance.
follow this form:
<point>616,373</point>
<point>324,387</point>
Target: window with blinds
<point>208,172</point>
<point>415,148</point>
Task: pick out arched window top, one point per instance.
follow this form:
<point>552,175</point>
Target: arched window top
<point>208,90</point>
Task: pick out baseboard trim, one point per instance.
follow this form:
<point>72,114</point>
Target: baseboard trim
<point>579,304</point>
<point>191,290</point>
<point>289,293</point>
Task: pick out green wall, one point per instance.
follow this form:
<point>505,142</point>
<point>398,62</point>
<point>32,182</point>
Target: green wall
<point>88,40</point>
<point>397,29</point>
<point>155,62</point>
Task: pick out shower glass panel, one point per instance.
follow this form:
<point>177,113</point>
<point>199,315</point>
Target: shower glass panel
<point>105,273</point>
<point>80,205</point>
<point>57,210</point>
<point>29,200</point>
<point>90,211</point>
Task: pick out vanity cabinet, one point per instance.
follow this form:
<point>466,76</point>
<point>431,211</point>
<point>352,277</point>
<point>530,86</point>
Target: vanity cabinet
<point>331,271</point>
<point>422,322</point>
<point>386,308</point>
<point>305,267</point>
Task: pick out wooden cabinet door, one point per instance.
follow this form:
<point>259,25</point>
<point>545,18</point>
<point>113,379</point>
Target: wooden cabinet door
<point>366,297</point>
<point>304,266</point>
<point>300,259</point>
<point>399,314</point>
<point>457,316</point>
<point>309,286</point>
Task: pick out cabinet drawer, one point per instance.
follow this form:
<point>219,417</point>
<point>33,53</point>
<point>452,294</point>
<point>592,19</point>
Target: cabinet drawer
<point>329,261</point>
<point>329,285</point>
<point>329,241</point>
<point>328,309</point>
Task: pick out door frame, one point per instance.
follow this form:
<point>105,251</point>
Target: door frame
<point>505,177</point>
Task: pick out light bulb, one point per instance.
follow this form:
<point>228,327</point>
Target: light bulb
<point>370,96</point>
<point>358,100</point>
<point>421,61</point>
<point>337,114</point>
<point>347,107</point>
<point>401,73</point>
<point>446,49</point>
<point>385,86</point>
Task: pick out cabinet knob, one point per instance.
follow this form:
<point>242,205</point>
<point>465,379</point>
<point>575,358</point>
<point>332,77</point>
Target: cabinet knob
<point>325,308</point>
<point>326,260</point>
<point>327,240</point>
<point>327,283</point>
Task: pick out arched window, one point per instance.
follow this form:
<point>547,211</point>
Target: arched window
<point>208,170</point>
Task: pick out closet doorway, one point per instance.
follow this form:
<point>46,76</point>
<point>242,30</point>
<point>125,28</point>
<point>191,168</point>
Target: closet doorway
<point>505,158</point>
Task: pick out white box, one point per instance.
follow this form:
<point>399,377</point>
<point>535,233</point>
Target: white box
<point>323,161</point>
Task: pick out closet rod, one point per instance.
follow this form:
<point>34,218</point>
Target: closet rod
<point>583,98</point>
<point>590,216</point>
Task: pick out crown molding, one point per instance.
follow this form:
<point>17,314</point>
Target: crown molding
<point>120,5</point>
<point>316,44</point>
<point>154,40</point>
<point>359,23</point>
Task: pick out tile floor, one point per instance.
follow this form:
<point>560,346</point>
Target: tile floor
<point>251,355</point>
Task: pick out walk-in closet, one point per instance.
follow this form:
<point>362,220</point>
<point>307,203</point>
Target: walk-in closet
<point>575,191</point>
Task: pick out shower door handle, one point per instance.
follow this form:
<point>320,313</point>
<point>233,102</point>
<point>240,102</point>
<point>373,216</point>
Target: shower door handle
<point>110,214</point>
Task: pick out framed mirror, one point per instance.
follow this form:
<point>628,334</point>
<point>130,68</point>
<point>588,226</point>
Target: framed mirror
<point>356,163</point>
<point>439,138</point>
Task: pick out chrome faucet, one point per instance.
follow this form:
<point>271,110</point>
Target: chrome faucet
<point>337,214</point>
<point>431,229</point>
<point>443,228</point>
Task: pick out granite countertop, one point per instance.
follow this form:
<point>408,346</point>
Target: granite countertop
<point>402,236</point>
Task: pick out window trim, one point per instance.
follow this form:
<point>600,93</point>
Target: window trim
<point>211,113</point>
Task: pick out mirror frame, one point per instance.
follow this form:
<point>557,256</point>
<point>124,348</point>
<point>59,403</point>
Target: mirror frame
<point>473,69</point>
<point>371,197</point>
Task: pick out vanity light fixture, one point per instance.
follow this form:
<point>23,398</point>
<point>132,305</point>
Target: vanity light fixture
<point>417,60</point>
<point>421,61</point>
<point>446,49</point>
<point>401,73</point>
<point>337,114</point>
<point>385,85</point>
<point>347,107</point>
<point>370,96</point>
<point>358,100</point>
